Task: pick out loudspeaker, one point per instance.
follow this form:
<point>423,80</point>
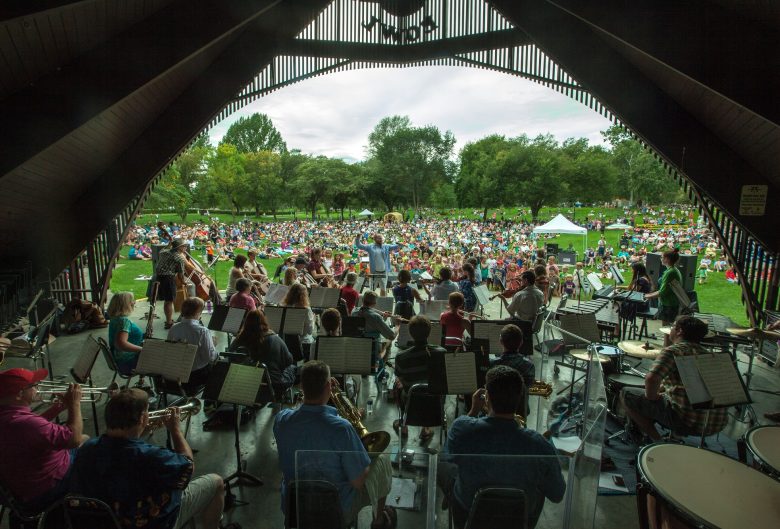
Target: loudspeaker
<point>552,249</point>
<point>686,264</point>
<point>567,258</point>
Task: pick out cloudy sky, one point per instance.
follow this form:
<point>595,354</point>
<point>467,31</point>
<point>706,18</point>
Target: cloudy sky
<point>332,115</point>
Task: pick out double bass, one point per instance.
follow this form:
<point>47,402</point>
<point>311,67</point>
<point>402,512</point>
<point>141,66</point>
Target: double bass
<point>194,272</point>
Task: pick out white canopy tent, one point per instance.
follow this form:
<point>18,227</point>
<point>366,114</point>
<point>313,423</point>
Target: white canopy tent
<point>561,224</point>
<point>618,226</point>
<point>365,213</point>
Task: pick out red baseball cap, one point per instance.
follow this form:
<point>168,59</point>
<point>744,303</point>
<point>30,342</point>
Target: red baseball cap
<point>14,380</point>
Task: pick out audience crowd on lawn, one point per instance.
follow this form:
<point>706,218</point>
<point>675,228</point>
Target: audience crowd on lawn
<point>503,246</point>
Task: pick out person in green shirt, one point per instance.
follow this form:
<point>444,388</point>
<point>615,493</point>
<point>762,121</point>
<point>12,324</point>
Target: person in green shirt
<point>668,304</point>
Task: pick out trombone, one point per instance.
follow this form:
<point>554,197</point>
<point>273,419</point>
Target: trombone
<point>50,391</point>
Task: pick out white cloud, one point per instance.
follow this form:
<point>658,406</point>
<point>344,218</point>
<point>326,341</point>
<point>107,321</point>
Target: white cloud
<point>333,114</point>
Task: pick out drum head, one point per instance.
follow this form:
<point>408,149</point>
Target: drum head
<point>608,350</point>
<point>710,488</point>
<point>626,380</point>
<point>764,444</point>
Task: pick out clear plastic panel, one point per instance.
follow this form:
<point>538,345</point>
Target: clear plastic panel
<point>539,405</point>
<point>543,480</point>
<point>325,492</point>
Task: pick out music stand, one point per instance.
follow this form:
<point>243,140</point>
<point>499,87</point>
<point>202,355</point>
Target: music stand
<point>490,330</point>
<point>168,360</point>
<point>239,385</point>
<point>227,319</point>
<point>82,372</point>
<point>345,355</point>
<point>457,372</point>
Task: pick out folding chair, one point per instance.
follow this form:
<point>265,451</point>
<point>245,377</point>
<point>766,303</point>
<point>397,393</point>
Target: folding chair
<point>109,357</point>
<point>78,512</point>
<point>19,516</point>
<point>313,504</point>
<point>497,507</point>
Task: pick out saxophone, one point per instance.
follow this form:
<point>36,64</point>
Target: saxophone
<point>375,442</point>
<point>149,333</point>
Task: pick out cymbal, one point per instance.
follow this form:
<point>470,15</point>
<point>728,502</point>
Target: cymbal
<point>665,330</point>
<point>638,349</point>
<point>583,354</point>
<point>754,332</point>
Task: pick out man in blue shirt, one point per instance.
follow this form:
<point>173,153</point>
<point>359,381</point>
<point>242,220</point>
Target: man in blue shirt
<point>462,472</point>
<point>315,443</point>
<point>147,486</point>
<point>378,261</point>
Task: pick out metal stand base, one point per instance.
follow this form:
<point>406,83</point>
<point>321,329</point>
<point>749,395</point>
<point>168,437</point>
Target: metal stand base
<point>240,476</point>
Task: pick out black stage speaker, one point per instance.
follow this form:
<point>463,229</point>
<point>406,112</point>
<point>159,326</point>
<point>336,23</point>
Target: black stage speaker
<point>686,264</point>
<point>552,249</point>
<point>567,258</point>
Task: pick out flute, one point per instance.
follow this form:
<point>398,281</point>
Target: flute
<point>471,314</point>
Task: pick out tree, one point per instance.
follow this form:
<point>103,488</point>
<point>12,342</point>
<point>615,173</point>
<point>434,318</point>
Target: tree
<point>311,183</point>
<point>640,173</point>
<point>226,176</point>
<point>589,172</point>
<point>254,134</point>
<point>344,181</point>
<point>478,183</point>
<point>263,174</point>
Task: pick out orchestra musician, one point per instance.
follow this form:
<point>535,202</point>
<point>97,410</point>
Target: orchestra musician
<point>146,486</point>
<point>511,341</point>
<point>375,327</point>
<point>526,302</point>
<point>298,297</point>
<point>672,409</point>
<point>36,454</point>
<point>405,295</point>
<point>314,436</point>
<point>411,367</point>
<point>348,292</point>
<point>466,286</point>
<point>318,270</point>
<point>236,273</point>
<point>256,271</point>
<point>190,330</point>
<point>170,266</point>
<point>444,286</point>
<point>243,299</point>
<point>304,277</point>
<point>453,323</point>
<point>460,475</point>
<point>125,338</point>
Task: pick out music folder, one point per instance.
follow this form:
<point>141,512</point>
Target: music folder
<point>227,319</point>
<point>345,354</point>
<point>235,384</point>
<point>171,360</point>
<point>457,373</point>
<point>711,380</point>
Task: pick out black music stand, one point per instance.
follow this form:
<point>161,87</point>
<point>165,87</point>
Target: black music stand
<point>214,391</point>
<point>82,373</point>
<point>227,319</point>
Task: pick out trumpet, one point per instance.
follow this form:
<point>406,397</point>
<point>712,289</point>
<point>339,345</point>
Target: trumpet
<point>187,410</point>
<point>50,391</point>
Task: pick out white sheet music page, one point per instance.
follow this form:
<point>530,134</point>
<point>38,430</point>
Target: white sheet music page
<point>169,360</point>
<point>276,294</point>
<point>721,379</point>
<point>330,297</point>
<point>483,295</point>
<point>357,355</point>
<point>330,349</point>
<point>86,359</point>
<point>241,384</point>
<point>692,380</point>
<point>491,332</point>
<point>384,304</point>
<point>461,373</point>
<point>294,320</point>
<point>432,309</point>
<point>233,320</point>
<point>403,335</point>
<point>274,317</point>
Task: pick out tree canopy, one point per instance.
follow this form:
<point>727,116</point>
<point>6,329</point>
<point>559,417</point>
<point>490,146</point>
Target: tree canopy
<point>254,134</point>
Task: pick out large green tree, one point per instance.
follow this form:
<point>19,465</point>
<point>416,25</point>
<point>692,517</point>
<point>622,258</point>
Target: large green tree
<point>588,171</point>
<point>312,182</point>
<point>226,181</point>
<point>478,183</point>
<point>254,134</point>
<point>263,174</point>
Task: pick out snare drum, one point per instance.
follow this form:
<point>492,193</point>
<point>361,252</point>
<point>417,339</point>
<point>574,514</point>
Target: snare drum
<point>763,443</point>
<point>685,487</point>
<point>615,383</point>
<point>613,353</point>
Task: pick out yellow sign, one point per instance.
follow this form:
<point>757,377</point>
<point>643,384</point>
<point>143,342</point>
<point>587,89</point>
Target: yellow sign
<point>752,203</point>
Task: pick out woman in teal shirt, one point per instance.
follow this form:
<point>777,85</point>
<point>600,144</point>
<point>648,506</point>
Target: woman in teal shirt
<point>124,337</point>
<point>668,304</point>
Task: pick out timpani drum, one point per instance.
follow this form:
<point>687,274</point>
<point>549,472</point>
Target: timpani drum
<point>763,443</point>
<point>686,487</point>
<point>615,383</point>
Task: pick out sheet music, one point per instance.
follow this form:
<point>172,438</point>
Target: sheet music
<point>324,297</point>
<point>294,320</point>
<point>357,355</point>
<point>169,360</point>
<point>432,309</point>
<point>86,359</point>
<point>233,320</point>
<point>461,373</point>
<point>491,332</point>
<point>483,295</point>
<point>722,380</point>
<point>384,304</point>
<point>426,276</point>
<point>594,281</point>
<point>692,380</point>
<point>403,335</point>
<point>274,317</point>
<point>276,294</point>
<point>241,384</point>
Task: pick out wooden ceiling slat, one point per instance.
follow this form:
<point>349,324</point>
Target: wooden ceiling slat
<point>11,56</point>
<point>47,43</point>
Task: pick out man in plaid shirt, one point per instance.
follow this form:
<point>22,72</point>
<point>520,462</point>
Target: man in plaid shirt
<point>664,399</point>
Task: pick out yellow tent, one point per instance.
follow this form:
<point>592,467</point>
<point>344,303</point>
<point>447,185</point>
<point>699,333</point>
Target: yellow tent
<point>393,216</point>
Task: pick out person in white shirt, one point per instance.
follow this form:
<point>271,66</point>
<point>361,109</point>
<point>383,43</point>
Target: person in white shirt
<point>525,304</point>
<point>190,330</point>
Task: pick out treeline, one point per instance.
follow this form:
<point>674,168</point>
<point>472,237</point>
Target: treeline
<point>407,166</point>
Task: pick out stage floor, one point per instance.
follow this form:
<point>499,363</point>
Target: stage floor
<point>215,449</point>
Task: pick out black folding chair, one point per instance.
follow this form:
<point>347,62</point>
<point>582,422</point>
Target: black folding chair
<point>313,504</point>
<point>498,507</point>
<point>78,512</point>
<point>109,358</point>
<point>19,516</point>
